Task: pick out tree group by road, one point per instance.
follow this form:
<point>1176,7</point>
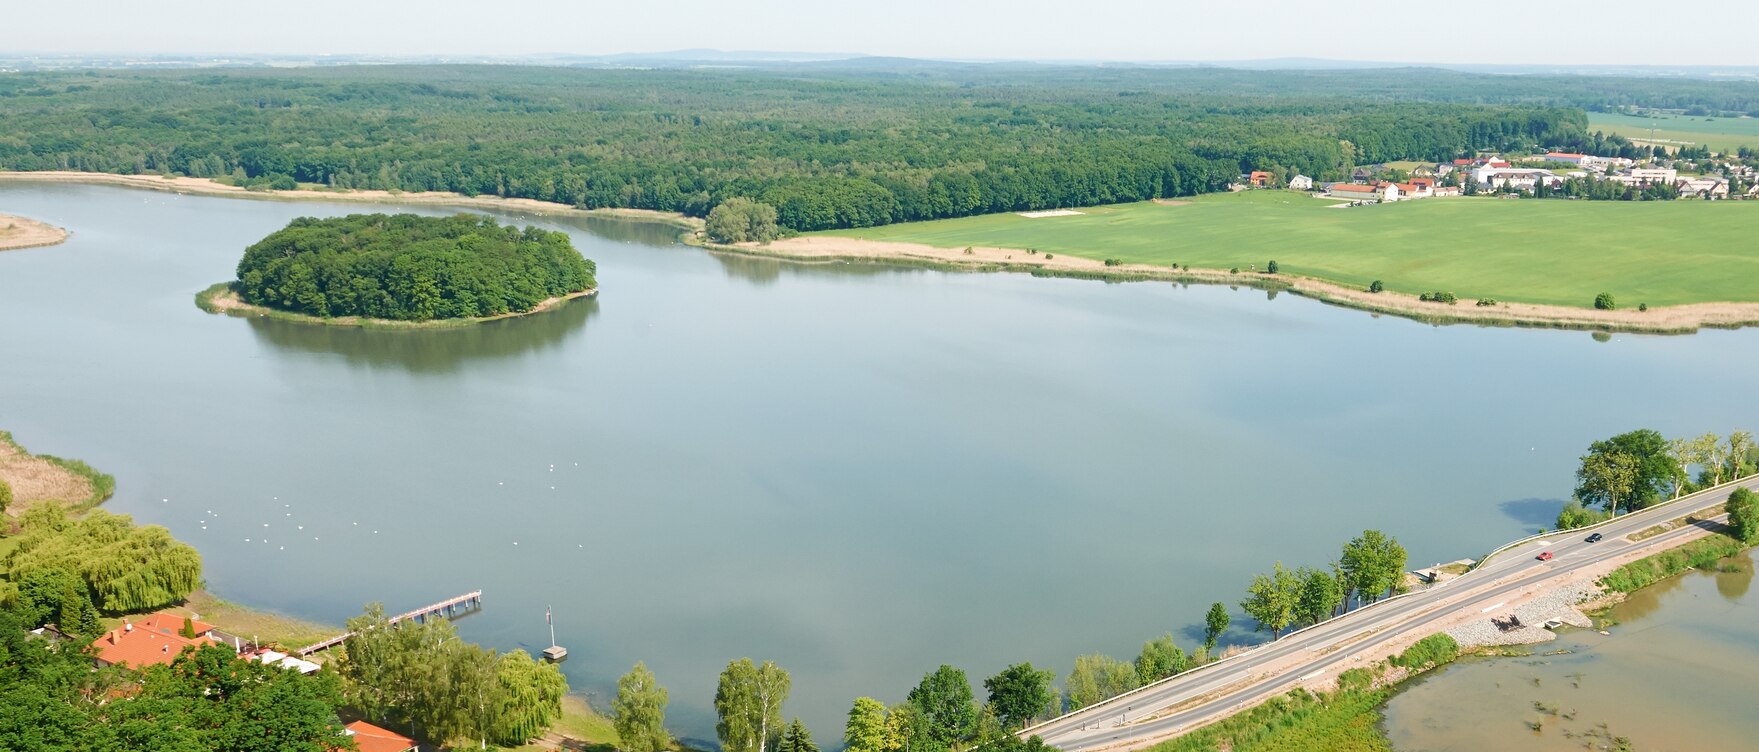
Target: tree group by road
<point>1637,469</point>
<point>1370,567</point>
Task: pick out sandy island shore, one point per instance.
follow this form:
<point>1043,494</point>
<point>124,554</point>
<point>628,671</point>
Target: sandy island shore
<point>220,298</point>
<point>20,232</point>
<point>1682,319</point>
<point>1669,319</point>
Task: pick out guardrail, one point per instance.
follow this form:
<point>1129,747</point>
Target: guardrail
<point>1670,502</point>
<point>1026,732</point>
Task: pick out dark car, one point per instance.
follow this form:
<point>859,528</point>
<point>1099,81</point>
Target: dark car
<point>1595,538</point>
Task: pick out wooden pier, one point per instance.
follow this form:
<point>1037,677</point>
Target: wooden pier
<point>455,605</point>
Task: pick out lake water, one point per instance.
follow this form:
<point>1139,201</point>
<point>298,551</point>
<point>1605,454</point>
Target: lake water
<point>1676,673</point>
<point>858,472</point>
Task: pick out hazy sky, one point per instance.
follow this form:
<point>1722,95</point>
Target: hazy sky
<point>1474,31</point>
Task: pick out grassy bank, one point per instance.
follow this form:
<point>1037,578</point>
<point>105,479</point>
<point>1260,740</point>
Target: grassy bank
<point>1703,553</point>
<point>1344,720</point>
<point>221,298</point>
<point>38,478</point>
<point>1552,252</point>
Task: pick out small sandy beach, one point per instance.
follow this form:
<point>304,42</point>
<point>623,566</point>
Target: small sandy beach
<point>21,232</point>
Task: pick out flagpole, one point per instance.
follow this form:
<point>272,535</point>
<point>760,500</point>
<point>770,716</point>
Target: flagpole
<point>552,622</point>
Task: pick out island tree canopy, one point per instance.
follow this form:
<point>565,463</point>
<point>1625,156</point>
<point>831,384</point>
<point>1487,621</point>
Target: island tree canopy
<point>410,268</point>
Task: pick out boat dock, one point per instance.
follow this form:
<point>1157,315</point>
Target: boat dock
<point>456,605</point>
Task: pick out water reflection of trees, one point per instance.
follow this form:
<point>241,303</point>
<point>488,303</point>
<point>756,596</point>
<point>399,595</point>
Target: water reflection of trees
<point>1732,582</point>
<point>431,350</point>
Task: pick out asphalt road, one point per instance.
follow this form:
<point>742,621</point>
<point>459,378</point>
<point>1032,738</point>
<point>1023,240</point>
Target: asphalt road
<point>1320,652</point>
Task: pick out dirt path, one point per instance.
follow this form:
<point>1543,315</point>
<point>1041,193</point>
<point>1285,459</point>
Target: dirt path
<point>1668,319</point>
<point>21,232</point>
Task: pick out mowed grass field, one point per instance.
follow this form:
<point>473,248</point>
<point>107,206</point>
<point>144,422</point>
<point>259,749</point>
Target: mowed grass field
<point>1535,251</point>
<point>1720,134</point>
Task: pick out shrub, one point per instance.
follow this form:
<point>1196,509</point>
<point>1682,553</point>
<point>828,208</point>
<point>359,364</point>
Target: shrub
<point>1604,302</point>
<point>1376,286</point>
<point>1438,297</point>
<point>1049,256</point>
<point>1486,302</point>
<point>1642,306</point>
<point>1235,270</point>
<point>741,220</point>
<point>1271,269</point>
<point>5,495</point>
<point>1435,650</point>
<point>1114,262</point>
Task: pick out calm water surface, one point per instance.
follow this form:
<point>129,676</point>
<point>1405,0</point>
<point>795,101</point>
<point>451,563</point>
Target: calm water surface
<point>860,473</point>
<point>1675,674</point>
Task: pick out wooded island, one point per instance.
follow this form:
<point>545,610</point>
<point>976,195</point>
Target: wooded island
<point>410,268</point>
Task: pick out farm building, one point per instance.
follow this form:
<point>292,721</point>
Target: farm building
<point>1301,183</point>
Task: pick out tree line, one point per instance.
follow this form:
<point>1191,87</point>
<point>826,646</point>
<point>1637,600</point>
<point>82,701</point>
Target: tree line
<point>826,149</point>
<point>1638,469</point>
<point>410,268</point>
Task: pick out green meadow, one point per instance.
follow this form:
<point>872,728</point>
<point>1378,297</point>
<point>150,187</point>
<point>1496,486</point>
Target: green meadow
<point>1720,134</point>
<point>1535,251</point>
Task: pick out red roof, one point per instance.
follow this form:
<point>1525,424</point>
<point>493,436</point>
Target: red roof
<point>1564,155</point>
<point>170,623</point>
<point>1352,187</point>
<point>141,647</point>
<point>1425,182</point>
<point>370,738</point>
<point>1462,161</point>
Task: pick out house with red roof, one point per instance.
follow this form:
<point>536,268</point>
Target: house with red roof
<point>1260,179</point>
<point>370,738</point>
<point>157,639</point>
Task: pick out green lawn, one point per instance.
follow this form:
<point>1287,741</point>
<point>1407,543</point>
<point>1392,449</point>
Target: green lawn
<point>1720,134</point>
<point>1537,251</point>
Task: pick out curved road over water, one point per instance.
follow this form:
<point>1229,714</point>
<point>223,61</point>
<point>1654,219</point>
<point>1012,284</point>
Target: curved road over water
<point>1208,694</point>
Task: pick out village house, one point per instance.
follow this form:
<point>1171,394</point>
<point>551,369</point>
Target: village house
<point>1582,160</point>
<point>1260,179</point>
<point>1361,175</point>
<point>370,738</point>
<point>1300,183</point>
<point>1706,188</point>
<point>158,639</point>
<point>1353,191</point>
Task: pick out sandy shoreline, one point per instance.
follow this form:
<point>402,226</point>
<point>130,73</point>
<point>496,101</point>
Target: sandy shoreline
<point>206,187</point>
<point>220,298</point>
<point>1680,319</point>
<point>23,232</point>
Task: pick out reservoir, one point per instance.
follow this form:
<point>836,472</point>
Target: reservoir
<point>859,472</point>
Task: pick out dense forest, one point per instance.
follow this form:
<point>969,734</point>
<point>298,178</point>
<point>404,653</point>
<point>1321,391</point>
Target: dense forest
<point>410,268</point>
<point>826,146</point>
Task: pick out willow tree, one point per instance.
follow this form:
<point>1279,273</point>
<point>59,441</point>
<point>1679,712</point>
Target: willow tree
<point>125,568</point>
<point>528,697</point>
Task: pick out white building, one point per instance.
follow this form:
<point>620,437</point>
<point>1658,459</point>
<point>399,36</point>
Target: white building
<point>1300,183</point>
<point>1703,188</point>
<point>1514,178</point>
